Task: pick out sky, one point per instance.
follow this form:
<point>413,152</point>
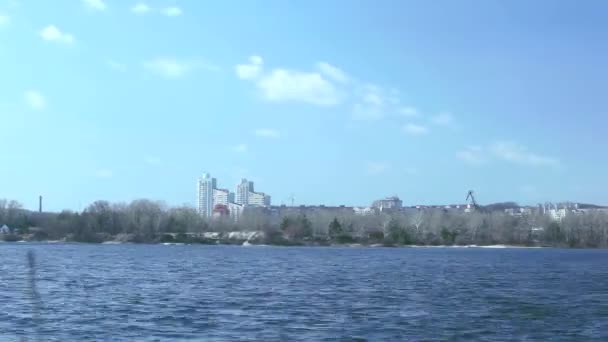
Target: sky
<point>331,102</point>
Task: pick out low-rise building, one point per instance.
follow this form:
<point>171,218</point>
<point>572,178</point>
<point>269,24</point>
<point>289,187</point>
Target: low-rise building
<point>364,211</point>
<point>221,196</point>
<point>392,202</point>
<point>557,214</point>
<point>220,210</point>
<point>258,199</point>
<point>235,210</point>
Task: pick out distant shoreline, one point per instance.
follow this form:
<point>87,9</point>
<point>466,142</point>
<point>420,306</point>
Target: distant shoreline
<point>244,244</point>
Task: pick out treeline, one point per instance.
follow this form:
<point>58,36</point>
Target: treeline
<point>152,221</point>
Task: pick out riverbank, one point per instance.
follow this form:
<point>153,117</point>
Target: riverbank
<point>255,238</point>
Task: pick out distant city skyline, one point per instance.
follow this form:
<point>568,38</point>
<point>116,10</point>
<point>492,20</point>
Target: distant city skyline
<point>335,105</point>
<point>211,199</point>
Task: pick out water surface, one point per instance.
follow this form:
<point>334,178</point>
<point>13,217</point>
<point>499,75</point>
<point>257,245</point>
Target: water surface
<point>223,293</point>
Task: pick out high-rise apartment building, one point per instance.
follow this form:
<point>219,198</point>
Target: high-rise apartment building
<point>246,196</point>
<point>242,191</point>
<point>205,187</point>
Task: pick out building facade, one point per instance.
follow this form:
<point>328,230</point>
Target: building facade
<point>258,199</point>
<point>388,203</point>
<point>220,211</point>
<point>221,196</point>
<point>364,211</point>
<point>205,186</point>
<point>246,196</point>
<point>235,211</point>
<point>557,214</point>
<point>242,191</point>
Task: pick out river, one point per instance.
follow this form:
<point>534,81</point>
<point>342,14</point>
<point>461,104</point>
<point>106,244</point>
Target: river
<point>234,293</point>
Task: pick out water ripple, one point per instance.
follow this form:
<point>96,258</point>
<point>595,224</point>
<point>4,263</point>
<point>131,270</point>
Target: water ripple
<point>215,293</point>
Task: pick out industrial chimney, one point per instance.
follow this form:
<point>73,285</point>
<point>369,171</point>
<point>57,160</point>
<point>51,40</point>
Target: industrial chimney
<point>40,204</point>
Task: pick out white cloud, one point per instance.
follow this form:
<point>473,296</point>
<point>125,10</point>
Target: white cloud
<point>152,160</point>
<point>242,148</point>
<point>140,8</point>
<point>95,5</point>
<point>443,119</point>
<point>334,73</point>
<point>173,68</point>
<point>104,173</point>
<point>366,112</point>
<point>409,112</point>
<point>114,65</point>
<point>266,133</point>
<point>282,85</point>
<point>505,151</point>
<point>372,104</point>
<point>393,96</point>
<point>4,19</point>
<point>53,34</point>
<point>172,11</point>
<point>251,70</point>
<point>35,100</point>
<point>414,129</point>
<point>373,98</point>
<point>473,155</point>
<point>378,167</point>
<point>168,67</point>
<point>518,154</point>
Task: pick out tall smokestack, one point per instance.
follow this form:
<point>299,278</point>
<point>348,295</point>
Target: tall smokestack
<point>40,204</point>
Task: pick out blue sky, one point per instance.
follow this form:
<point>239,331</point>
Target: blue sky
<point>335,102</point>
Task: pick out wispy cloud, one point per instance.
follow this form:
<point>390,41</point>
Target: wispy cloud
<point>53,34</point>
<point>519,154</point>
<point>174,68</point>
<point>241,148</point>
<point>172,11</point>
<point>443,119</point>
<point>328,85</point>
<point>378,167</point>
<point>415,129</point>
<point>117,66</point>
<point>104,173</point>
<point>286,85</point>
<point>168,67</point>
<point>266,133</point>
<point>473,155</point>
<point>141,8</point>
<point>408,112</point>
<point>95,5</point>
<point>334,73</point>
<point>4,19</point>
<point>374,102</point>
<point>34,99</point>
<point>510,152</point>
<point>251,70</point>
<point>371,105</point>
<point>152,160</point>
